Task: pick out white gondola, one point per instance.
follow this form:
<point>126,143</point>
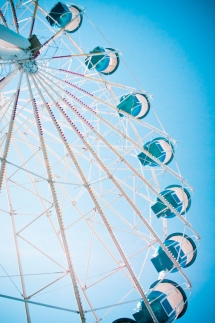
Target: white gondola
<point>104,60</point>
<point>177,196</point>
<point>168,302</point>
<point>136,104</point>
<point>181,247</point>
<point>160,148</point>
<point>61,14</point>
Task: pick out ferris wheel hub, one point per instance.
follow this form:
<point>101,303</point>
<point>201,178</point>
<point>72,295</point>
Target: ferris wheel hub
<point>29,66</point>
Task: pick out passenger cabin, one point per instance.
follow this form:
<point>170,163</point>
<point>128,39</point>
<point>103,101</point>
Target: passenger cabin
<point>179,198</point>
<point>181,247</point>
<point>135,104</point>
<point>168,302</point>
<point>160,148</point>
<point>103,60</point>
<point>61,14</point>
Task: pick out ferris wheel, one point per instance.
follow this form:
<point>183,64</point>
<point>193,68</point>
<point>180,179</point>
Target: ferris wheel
<point>94,209</point>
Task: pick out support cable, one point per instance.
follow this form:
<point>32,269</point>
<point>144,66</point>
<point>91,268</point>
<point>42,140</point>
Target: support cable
<point>9,276</point>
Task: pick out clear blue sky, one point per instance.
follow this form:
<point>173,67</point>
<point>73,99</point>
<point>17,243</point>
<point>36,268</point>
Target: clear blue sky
<point>169,46</point>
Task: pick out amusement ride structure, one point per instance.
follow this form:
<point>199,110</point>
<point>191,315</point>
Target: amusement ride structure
<point>94,208</point>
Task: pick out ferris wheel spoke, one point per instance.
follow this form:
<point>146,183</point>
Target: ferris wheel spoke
<point>133,232</point>
<point>88,301</point>
<point>55,199</point>
<point>2,17</point>
<point>81,55</point>
<point>37,16</point>
<point>9,133</point>
<point>13,10</point>
<point>33,18</point>
<point>44,89</point>
<point>98,207</point>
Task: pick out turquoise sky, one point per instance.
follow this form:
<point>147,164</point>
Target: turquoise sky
<point>169,46</point>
